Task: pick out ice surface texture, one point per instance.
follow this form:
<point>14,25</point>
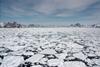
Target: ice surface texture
<point>50,47</point>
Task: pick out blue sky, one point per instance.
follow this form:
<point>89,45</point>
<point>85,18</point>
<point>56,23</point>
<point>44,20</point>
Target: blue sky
<point>50,11</point>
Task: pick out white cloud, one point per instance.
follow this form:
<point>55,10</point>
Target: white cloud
<point>60,8</point>
<point>50,6</point>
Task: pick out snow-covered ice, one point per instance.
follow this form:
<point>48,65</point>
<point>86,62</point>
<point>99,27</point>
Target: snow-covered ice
<point>49,47</point>
<point>74,64</point>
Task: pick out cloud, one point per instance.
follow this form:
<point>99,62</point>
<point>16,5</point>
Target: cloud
<point>77,9</point>
<point>94,17</point>
<point>52,6</point>
<point>47,7</point>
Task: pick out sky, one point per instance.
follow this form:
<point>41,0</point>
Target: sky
<point>50,11</point>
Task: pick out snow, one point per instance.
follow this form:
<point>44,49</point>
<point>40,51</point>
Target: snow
<point>36,66</point>
<point>80,55</point>
<point>74,64</point>
<point>35,58</point>
<point>48,51</point>
<point>50,47</point>
<point>53,62</point>
<point>12,61</point>
<point>74,45</point>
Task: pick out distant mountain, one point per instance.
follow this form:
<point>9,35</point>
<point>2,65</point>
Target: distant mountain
<point>17,25</point>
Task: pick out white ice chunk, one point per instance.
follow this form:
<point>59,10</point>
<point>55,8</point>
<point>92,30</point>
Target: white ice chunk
<point>80,55</point>
<point>53,62</point>
<point>74,45</point>
<point>48,51</point>
<point>12,61</point>
<point>74,64</point>
<point>35,58</point>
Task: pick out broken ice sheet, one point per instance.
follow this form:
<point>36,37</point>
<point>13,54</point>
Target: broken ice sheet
<point>50,47</point>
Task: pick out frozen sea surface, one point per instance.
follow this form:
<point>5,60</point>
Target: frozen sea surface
<point>50,47</point>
